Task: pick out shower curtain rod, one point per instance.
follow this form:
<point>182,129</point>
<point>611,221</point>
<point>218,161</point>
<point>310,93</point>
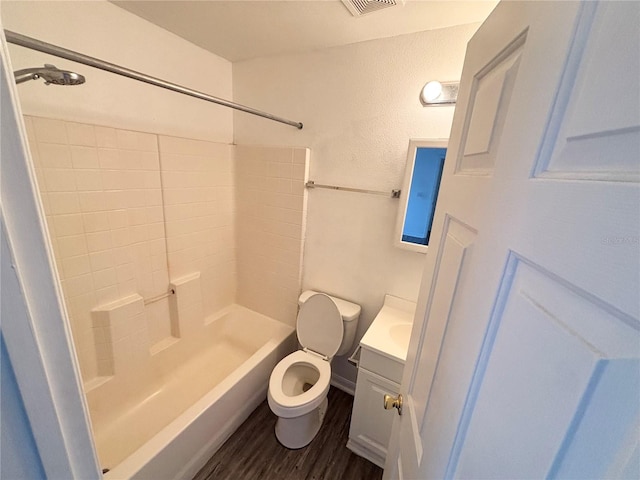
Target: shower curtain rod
<point>34,44</point>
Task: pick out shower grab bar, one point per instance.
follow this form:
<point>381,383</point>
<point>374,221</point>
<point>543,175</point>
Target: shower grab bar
<point>147,301</point>
<point>393,194</point>
<point>34,44</point>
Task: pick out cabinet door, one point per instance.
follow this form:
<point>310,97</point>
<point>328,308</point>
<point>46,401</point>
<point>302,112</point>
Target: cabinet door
<point>370,422</point>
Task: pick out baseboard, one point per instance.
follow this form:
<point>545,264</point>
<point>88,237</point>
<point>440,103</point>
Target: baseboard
<point>365,453</point>
<point>343,384</point>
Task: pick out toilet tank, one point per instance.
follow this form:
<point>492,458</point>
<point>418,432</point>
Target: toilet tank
<point>350,313</point>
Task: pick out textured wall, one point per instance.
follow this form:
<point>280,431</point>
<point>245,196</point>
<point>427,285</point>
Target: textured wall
<point>359,104</point>
<point>100,29</point>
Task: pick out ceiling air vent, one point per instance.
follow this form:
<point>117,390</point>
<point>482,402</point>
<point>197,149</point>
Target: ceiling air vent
<point>363,7</point>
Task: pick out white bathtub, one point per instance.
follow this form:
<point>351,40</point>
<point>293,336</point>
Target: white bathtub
<point>165,422</point>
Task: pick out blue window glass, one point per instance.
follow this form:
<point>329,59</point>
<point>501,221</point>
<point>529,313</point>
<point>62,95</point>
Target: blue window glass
<point>425,182</point>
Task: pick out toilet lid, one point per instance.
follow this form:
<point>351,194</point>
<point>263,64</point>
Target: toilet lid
<point>319,325</point>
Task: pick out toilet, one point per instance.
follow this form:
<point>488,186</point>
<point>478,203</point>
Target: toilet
<point>299,383</point>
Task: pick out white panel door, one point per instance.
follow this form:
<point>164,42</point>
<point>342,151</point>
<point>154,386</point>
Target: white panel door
<point>524,357</point>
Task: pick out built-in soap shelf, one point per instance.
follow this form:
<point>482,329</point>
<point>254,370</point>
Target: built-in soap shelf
<point>121,332</point>
<point>162,345</point>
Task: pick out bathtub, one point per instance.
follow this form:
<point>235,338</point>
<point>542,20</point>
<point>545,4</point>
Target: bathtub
<point>166,421</point>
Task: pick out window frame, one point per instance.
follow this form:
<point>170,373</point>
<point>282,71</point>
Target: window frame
<point>414,145</point>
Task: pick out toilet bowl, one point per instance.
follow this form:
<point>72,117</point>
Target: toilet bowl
<point>299,383</point>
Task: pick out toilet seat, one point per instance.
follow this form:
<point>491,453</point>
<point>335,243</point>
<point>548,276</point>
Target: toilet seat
<point>287,406</point>
<point>319,325</point>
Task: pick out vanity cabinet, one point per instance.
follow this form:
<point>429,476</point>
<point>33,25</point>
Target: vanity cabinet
<point>370,423</point>
<point>383,350</point>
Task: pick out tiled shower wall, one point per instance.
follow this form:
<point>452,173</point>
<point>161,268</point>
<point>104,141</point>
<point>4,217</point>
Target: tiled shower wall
<point>270,225</point>
<point>198,182</point>
<point>128,212</point>
<point>103,198</point>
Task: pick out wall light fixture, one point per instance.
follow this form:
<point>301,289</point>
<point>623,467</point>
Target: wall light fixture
<point>439,93</point>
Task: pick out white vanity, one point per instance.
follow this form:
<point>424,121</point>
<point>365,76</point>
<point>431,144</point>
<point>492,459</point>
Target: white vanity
<point>383,351</point>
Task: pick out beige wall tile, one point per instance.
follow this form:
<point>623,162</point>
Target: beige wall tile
<point>61,203</point>
<point>49,131</point>
<point>99,241</point>
<point>300,156</point>
<point>269,206</point>
<point>81,134</point>
<point>104,278</point>
<point>92,201</point>
<point>108,158</point>
<point>130,140</point>
<point>84,157</point>
<point>102,260</point>
<point>95,222</point>
<point>117,219</point>
<point>106,137</point>
<point>79,285</point>
<point>111,227</point>
<point>75,266</point>
<point>68,224</point>
<point>107,294</point>
<point>59,180</point>
<point>72,245</point>
<point>54,156</point>
<point>183,146</point>
<point>88,180</point>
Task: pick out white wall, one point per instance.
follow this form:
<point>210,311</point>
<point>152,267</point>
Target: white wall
<point>359,105</point>
<point>103,30</point>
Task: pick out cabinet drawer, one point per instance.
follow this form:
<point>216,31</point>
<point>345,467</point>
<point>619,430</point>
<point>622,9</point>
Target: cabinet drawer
<point>370,422</point>
<point>373,361</point>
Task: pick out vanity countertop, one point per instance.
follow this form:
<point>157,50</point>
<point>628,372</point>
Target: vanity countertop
<point>390,331</point>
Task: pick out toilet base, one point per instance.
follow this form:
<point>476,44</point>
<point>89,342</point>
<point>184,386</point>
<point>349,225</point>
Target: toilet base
<point>297,432</point>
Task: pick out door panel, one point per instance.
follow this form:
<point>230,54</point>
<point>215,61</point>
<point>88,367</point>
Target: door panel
<point>585,347</point>
<point>524,356</point>
<point>457,247</point>
<point>489,102</point>
<point>597,110</point>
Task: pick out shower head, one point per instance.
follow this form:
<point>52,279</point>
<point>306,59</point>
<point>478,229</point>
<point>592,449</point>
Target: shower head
<point>50,74</point>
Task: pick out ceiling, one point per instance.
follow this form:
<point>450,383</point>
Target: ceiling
<point>240,30</point>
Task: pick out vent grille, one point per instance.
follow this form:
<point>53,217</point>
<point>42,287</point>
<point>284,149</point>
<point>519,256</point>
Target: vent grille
<point>364,7</point>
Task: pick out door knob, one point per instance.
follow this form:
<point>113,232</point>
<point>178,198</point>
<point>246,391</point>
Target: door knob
<point>393,402</point>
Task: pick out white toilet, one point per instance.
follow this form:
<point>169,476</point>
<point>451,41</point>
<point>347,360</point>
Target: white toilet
<point>299,384</point>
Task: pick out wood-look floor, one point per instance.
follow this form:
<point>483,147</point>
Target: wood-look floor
<point>253,452</point>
